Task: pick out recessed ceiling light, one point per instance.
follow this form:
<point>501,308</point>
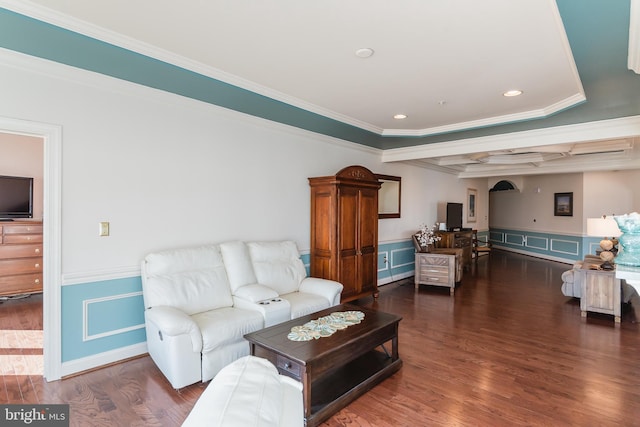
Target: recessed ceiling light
<point>400,116</point>
<point>514,92</point>
<point>364,53</point>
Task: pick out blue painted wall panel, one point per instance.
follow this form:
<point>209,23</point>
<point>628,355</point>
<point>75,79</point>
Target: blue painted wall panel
<point>554,246</point>
<point>115,314</point>
<point>73,297</point>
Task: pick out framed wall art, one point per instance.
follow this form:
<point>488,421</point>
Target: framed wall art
<point>472,200</point>
<point>563,204</point>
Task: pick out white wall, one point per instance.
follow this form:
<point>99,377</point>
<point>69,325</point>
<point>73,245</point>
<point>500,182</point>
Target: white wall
<point>594,194</point>
<point>166,171</point>
<point>22,155</point>
<point>608,193</point>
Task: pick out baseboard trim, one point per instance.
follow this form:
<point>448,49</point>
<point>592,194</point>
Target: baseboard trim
<point>535,255</point>
<point>101,360</point>
<point>396,277</point>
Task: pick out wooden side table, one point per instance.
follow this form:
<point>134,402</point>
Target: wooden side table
<point>601,292</point>
<point>436,269</point>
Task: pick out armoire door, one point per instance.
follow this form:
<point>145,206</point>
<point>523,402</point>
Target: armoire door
<point>368,239</point>
<point>348,245</point>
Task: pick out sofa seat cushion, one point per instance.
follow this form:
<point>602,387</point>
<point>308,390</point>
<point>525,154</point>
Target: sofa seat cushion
<point>249,392</point>
<point>303,303</point>
<point>226,325</point>
<point>277,265</point>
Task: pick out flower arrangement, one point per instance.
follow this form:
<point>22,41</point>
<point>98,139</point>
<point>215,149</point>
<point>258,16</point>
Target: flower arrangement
<point>427,236</point>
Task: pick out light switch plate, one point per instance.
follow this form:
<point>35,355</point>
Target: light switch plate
<point>104,229</point>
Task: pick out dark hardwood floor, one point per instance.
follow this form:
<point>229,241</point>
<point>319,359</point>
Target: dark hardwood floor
<point>508,349</point>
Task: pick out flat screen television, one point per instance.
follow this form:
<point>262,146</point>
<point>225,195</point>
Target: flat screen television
<point>454,216</point>
<point>16,197</point>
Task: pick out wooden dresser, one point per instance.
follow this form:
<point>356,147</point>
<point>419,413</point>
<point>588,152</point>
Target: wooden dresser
<point>20,257</point>
<point>457,239</point>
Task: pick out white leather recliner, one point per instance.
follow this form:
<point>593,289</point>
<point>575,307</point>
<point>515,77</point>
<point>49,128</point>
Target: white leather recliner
<point>201,301</point>
<point>193,329</point>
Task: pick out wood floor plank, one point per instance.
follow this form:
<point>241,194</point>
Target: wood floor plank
<point>508,349</point>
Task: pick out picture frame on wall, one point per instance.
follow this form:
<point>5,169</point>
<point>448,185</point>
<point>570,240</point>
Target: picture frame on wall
<point>472,200</point>
<point>563,204</point>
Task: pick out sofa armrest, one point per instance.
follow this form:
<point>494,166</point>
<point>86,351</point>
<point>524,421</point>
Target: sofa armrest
<point>172,321</point>
<point>254,293</point>
<point>329,289</point>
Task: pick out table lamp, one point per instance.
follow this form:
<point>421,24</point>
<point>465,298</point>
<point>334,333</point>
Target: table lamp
<point>607,228</point>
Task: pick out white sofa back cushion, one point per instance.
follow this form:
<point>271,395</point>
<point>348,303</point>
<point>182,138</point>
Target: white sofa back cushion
<point>277,265</point>
<point>191,279</point>
<point>238,263</point>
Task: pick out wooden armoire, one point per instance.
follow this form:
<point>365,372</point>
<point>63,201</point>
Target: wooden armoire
<point>344,230</point>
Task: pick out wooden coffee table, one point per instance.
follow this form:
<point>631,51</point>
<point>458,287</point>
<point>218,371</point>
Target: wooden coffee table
<point>334,370</point>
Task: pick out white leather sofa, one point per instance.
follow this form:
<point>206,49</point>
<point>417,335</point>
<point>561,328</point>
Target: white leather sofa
<point>249,392</point>
<point>201,301</point>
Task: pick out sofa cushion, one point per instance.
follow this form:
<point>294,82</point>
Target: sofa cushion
<point>277,265</point>
<point>226,325</point>
<point>238,264</point>
<point>191,279</point>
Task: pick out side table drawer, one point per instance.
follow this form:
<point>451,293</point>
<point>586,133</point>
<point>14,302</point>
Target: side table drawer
<point>434,276</point>
<point>289,367</point>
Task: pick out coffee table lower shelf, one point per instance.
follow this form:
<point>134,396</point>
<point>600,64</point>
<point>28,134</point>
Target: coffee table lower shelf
<point>337,369</point>
<point>337,389</point>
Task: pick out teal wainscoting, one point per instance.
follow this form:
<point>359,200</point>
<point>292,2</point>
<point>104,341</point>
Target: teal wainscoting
<point>557,247</point>
<point>108,315</point>
<point>101,316</point>
<point>399,256</point>
<point>396,260</point>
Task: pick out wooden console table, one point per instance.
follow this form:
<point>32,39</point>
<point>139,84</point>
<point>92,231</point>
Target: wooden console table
<point>601,292</point>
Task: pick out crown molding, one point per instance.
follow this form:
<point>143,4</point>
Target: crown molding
<point>84,28</point>
<point>564,104</point>
<point>591,131</point>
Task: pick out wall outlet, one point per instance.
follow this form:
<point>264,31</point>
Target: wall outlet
<point>385,259</point>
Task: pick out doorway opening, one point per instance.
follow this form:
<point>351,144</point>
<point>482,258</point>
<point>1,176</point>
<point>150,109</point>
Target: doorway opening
<point>51,141</point>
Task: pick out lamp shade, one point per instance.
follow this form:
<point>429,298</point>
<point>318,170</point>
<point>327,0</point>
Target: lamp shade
<point>603,227</point>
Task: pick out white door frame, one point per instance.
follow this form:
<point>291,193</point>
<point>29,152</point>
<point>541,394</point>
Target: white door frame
<point>52,282</point>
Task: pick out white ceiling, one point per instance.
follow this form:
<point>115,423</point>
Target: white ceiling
<point>445,64</point>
